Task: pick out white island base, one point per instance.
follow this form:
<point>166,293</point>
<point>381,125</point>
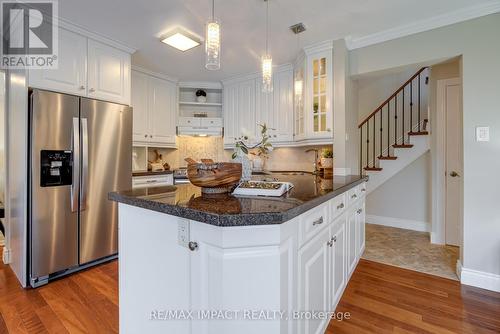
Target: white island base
<point>245,280</point>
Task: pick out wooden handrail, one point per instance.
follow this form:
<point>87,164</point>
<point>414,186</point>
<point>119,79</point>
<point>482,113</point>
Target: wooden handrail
<point>391,97</point>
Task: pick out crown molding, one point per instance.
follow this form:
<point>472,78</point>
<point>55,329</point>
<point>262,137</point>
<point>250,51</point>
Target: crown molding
<point>319,47</point>
<point>154,74</point>
<point>439,21</point>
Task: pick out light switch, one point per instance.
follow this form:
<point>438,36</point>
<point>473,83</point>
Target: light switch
<point>483,133</point>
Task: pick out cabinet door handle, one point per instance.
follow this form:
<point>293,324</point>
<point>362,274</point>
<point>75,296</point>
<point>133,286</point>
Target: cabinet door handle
<point>354,196</point>
<point>193,246</point>
<point>340,206</point>
<point>82,87</point>
<point>359,211</point>
<point>145,136</point>
<point>150,136</point>
<point>363,189</point>
<point>334,238</point>
<point>318,222</point>
<point>91,90</point>
<point>330,243</point>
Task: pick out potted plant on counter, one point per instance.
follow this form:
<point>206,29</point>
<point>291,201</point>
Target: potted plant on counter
<point>242,148</point>
<point>326,158</point>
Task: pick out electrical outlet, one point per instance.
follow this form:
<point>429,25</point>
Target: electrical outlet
<point>183,232</point>
<point>483,133</point>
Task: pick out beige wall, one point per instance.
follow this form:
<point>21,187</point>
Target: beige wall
<point>477,42</point>
<point>407,195</point>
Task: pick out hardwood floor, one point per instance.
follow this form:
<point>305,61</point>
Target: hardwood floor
<point>379,298</point>
<point>86,302</point>
<point>386,299</point>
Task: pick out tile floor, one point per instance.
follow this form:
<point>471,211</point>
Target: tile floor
<point>410,250</point>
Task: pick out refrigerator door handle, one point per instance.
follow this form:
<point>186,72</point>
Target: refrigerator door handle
<point>75,187</point>
<point>85,164</point>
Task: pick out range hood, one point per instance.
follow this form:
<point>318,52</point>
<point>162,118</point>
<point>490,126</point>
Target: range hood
<point>199,131</point>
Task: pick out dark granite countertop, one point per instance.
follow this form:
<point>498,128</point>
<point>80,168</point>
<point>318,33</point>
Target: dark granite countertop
<point>151,173</point>
<point>186,200</point>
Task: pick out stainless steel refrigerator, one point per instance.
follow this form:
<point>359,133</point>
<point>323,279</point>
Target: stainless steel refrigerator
<point>80,150</point>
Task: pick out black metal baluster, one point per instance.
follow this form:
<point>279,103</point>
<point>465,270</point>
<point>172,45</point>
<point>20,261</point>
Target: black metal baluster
<point>388,126</point>
<point>403,125</point>
<point>419,102</point>
<point>411,108</point>
<point>373,141</point>
<point>396,119</point>
<point>367,144</point>
<point>361,151</point>
<point>381,131</point>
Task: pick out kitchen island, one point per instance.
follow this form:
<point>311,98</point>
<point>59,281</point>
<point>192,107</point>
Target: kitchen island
<point>193,263</point>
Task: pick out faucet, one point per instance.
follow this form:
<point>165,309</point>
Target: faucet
<point>316,157</point>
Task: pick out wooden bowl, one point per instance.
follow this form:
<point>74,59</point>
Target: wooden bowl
<point>218,177</point>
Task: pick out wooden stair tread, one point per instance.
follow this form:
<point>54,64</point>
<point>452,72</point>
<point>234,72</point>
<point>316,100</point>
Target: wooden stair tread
<point>374,169</point>
<point>402,145</point>
<point>387,158</point>
<point>419,133</point>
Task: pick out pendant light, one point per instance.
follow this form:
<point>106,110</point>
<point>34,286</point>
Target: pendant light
<point>212,42</point>
<point>267,60</point>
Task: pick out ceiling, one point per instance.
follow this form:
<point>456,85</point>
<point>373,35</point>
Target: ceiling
<point>139,24</point>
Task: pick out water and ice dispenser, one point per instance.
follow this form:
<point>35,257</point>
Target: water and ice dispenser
<point>56,168</point>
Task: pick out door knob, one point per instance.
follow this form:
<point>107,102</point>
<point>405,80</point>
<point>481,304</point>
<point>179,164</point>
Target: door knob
<point>454,174</point>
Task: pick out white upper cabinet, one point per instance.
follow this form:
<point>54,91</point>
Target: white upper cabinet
<point>246,106</point>
<point>162,111</point>
<point>139,102</point>
<point>71,74</point>
<point>108,73</point>
<point>154,103</point>
<point>87,68</point>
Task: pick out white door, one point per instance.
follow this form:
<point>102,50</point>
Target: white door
<point>140,107</point>
<point>109,73</point>
<point>162,110</point>
<point>452,100</point>
<point>70,76</point>
<point>338,274</point>
<point>352,246</point>
<point>314,281</point>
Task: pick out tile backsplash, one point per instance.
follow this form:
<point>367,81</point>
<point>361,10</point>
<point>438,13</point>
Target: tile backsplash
<point>283,158</point>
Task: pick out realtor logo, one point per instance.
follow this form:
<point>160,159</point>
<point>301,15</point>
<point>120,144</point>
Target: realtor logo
<point>30,34</point>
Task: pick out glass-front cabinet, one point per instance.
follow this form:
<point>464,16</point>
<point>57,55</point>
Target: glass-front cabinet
<point>313,91</point>
<point>319,104</point>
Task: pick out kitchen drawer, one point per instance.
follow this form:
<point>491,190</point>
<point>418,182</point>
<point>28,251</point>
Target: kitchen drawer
<point>362,189</point>
<point>337,206</point>
<point>189,121</point>
<point>152,181</point>
<point>312,222</point>
<point>353,195</point>
<point>211,121</point>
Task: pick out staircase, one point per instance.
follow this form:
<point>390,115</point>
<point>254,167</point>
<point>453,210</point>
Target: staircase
<point>396,133</point>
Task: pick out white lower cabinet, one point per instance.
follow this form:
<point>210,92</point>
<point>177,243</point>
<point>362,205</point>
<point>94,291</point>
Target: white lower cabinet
<point>299,267</point>
<point>314,281</point>
<point>338,262</point>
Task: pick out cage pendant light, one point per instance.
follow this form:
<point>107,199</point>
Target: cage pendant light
<point>267,60</point>
<point>212,42</point>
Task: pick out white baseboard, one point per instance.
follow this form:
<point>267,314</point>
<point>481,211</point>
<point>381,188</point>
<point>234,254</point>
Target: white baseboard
<point>479,279</point>
<point>458,269</point>
<point>435,239</point>
<point>406,224</point>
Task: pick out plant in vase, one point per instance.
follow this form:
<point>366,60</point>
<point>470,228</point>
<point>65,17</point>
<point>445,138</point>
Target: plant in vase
<point>326,158</point>
<point>242,148</point>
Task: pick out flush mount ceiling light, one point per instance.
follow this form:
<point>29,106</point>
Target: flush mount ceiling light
<point>212,43</point>
<point>181,39</point>
<point>267,60</point>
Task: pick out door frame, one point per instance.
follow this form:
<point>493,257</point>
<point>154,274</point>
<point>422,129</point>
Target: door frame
<point>438,235</point>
